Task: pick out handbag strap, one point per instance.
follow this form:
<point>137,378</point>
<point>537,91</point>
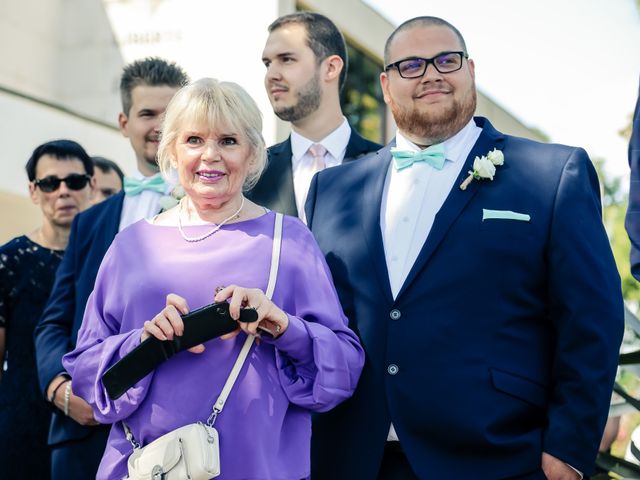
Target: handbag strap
<point>242,356</point>
<point>275,255</point>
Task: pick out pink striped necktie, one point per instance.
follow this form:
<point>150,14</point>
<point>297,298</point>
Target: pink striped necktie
<point>318,152</point>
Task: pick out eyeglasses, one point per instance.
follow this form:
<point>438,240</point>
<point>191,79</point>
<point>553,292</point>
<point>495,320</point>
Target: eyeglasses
<point>75,181</point>
<point>414,67</point>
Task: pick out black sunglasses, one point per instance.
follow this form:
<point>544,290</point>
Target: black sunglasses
<point>75,181</point>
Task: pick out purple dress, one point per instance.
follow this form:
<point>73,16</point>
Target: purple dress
<point>265,428</point>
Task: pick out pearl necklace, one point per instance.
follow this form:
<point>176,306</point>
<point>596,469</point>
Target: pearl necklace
<point>235,215</point>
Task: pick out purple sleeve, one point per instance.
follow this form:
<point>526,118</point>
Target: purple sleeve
<point>102,341</point>
<point>319,357</point>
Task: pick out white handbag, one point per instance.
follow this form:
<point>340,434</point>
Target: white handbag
<point>190,452</point>
<point>193,451</point>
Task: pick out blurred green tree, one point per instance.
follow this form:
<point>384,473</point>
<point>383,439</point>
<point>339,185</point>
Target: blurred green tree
<point>614,202</point>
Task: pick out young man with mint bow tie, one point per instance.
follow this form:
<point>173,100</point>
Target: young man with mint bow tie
<point>76,439</point>
<point>475,267</point>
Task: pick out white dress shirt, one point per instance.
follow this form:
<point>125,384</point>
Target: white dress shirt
<point>410,201</point>
<point>301,160</point>
<point>145,205</point>
<point>413,196</point>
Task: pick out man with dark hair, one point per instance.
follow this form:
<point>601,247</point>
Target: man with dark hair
<point>109,179</point>
<point>322,37</point>
<point>149,72</point>
<point>306,60</point>
<point>77,440</point>
<point>476,269</point>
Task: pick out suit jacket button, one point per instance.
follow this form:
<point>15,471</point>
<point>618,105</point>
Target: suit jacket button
<point>395,314</point>
<point>393,369</point>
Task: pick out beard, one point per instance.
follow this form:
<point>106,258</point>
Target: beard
<point>435,126</point>
<point>150,155</point>
<point>152,162</point>
<point>308,102</point>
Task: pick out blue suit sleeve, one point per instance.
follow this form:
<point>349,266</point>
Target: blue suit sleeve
<point>632,221</point>
<point>53,332</point>
<point>586,309</point>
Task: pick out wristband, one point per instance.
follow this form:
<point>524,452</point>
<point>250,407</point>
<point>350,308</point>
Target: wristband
<point>67,396</point>
<point>55,390</point>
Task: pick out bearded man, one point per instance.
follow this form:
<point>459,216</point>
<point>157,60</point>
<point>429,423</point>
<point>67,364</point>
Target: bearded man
<point>306,60</point>
<point>476,270</point>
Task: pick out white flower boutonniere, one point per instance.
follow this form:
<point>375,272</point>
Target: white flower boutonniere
<point>484,167</point>
<point>171,200</point>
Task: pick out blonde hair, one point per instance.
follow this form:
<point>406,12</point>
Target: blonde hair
<point>211,102</point>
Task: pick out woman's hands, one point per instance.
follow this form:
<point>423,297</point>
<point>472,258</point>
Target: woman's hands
<point>270,317</point>
<point>168,322</point>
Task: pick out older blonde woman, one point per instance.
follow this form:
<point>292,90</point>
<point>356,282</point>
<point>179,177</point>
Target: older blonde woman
<point>215,238</point>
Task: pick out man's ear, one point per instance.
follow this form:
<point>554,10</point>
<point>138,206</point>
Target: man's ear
<point>123,120</point>
<point>92,188</point>
<point>384,83</point>
<point>333,68</point>
<point>472,68</point>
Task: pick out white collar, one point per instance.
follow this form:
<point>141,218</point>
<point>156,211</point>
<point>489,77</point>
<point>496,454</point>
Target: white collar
<point>138,175</point>
<point>335,143</point>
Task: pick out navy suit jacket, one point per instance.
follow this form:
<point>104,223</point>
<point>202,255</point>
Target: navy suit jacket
<point>632,221</point>
<point>503,341</point>
<point>92,232</point>
<point>275,189</point>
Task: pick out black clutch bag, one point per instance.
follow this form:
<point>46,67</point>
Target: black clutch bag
<point>200,325</point>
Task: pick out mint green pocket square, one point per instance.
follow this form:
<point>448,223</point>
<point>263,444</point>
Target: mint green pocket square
<point>504,215</point>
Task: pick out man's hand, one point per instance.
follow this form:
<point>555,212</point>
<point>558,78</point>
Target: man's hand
<point>81,411</point>
<point>556,469</point>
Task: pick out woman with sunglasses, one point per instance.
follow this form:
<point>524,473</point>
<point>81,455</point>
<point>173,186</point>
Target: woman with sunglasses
<point>60,183</point>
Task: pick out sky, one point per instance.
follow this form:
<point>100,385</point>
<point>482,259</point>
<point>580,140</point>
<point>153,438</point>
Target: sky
<point>570,68</point>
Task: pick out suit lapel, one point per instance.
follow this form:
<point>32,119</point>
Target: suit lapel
<point>371,200</point>
<point>112,214</point>
<point>456,200</point>
<point>280,174</point>
<point>356,147</point>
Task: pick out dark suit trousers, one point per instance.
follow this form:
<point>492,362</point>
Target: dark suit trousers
<point>395,465</point>
<point>79,459</point>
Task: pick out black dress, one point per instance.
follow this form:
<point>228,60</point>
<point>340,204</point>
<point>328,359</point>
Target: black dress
<point>27,272</point>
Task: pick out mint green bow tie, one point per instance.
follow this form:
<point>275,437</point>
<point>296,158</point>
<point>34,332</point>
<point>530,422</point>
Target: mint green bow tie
<point>433,155</point>
<point>133,186</point>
